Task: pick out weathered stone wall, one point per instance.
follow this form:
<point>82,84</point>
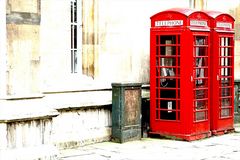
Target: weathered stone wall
<point>124,30</point>
<point>27,139</point>
<point>78,127</point>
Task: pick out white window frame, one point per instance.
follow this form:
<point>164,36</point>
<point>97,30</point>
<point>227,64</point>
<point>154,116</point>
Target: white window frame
<point>76,64</point>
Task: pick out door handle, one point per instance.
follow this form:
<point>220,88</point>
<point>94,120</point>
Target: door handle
<point>191,78</point>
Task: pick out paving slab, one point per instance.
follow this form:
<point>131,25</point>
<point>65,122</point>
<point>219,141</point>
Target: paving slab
<point>224,147</point>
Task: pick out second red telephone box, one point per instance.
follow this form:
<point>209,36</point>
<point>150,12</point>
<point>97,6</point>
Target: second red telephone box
<point>179,74</point>
<point>222,72</point>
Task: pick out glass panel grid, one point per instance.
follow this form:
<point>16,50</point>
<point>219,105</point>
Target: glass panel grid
<point>167,77</point>
<point>75,24</point>
<point>200,77</point>
<point>225,76</point>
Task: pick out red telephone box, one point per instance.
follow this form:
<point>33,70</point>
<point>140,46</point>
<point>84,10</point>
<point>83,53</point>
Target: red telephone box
<point>222,72</point>
<point>179,74</point>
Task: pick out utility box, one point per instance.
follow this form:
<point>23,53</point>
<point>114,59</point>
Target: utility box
<point>222,72</point>
<point>126,111</point>
<point>179,74</point>
<point>236,101</point>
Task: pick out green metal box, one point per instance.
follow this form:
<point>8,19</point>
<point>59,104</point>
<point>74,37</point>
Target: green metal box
<point>236,101</point>
<point>126,111</point>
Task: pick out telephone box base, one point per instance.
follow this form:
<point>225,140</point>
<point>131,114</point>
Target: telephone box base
<point>222,131</point>
<point>190,137</point>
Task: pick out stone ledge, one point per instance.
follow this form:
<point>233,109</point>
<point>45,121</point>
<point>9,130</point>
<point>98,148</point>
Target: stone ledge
<point>22,110</point>
<point>22,97</point>
<point>75,100</point>
<point>84,99</point>
<point>28,117</point>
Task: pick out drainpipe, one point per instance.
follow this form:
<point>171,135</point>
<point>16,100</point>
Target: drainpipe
<point>198,4</point>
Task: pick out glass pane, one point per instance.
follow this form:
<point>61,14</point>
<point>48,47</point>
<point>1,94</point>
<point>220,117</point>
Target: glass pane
<point>201,104</point>
<point>200,94</point>
<point>201,62</point>
<point>168,104</point>
<point>225,61</point>
<point>72,57</point>
<point>168,72</point>
<point>72,36</point>
<point>168,39</point>
<point>225,92</point>
<point>168,50</point>
<point>225,112</point>
<point>225,82</point>
<point>168,82</point>
<point>200,116</point>
<point>225,102</point>
<point>225,41</point>
<point>168,62</point>
<point>75,36</point>
<point>168,93</point>
<point>201,83</point>
<point>75,11</point>
<point>200,40</point>
<point>75,62</point>
<point>168,115</point>
<point>71,11</point>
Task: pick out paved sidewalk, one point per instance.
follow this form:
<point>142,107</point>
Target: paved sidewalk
<point>225,147</point>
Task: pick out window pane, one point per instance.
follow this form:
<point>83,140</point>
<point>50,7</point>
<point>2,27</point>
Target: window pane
<point>225,112</point>
<point>75,37</point>
<point>75,62</point>
<point>75,11</point>
<point>200,116</point>
<point>72,65</point>
<point>71,11</point>
<point>168,40</point>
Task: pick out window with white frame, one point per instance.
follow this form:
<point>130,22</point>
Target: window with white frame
<point>76,36</point>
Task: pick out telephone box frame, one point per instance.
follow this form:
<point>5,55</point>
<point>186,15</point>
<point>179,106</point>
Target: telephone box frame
<point>222,70</point>
<point>186,121</point>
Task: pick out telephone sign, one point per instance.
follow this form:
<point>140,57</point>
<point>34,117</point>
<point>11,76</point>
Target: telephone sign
<point>169,23</point>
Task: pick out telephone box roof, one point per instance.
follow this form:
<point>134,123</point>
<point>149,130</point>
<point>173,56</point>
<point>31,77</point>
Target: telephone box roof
<point>183,11</point>
<point>215,14</point>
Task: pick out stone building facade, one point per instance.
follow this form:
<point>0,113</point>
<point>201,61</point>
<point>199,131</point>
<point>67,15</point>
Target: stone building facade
<point>58,59</point>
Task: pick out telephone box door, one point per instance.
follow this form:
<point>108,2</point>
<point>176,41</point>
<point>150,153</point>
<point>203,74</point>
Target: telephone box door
<point>165,79</point>
<point>223,85</point>
<point>222,69</point>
